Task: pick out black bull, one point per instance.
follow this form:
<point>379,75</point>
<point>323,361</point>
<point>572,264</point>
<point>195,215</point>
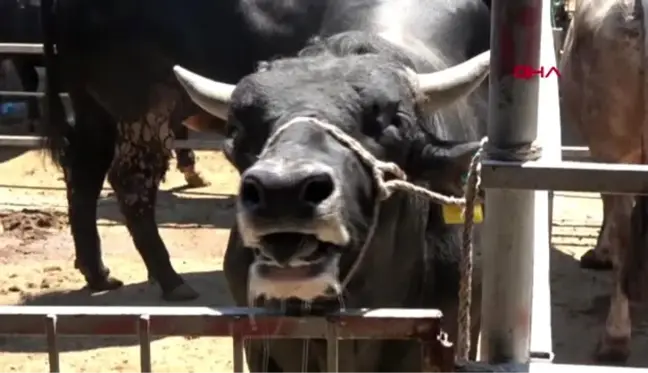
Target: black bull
<point>300,226</point>
<point>20,23</point>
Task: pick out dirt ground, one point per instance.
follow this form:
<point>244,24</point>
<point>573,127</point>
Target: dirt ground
<point>36,257</point>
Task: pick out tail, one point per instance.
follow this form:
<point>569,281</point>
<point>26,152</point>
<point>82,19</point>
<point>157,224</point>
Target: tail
<point>635,274</point>
<point>55,129</point>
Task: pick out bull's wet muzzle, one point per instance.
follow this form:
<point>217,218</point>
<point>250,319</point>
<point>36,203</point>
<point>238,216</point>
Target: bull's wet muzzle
<point>280,191</point>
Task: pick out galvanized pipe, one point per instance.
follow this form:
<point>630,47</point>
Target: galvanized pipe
<point>52,345</point>
<point>509,225</point>
<point>144,333</point>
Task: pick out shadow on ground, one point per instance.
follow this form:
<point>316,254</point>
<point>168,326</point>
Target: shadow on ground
<point>196,209</point>
<point>580,301</point>
<point>211,285</point>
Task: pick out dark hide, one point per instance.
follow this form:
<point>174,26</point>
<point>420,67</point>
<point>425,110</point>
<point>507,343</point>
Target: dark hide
<point>115,59</point>
<point>20,23</point>
<point>351,80</point>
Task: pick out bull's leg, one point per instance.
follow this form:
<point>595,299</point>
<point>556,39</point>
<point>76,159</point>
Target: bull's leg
<point>85,163</point>
<point>141,160</point>
<point>614,346</point>
<point>187,160</point>
<point>599,258</point>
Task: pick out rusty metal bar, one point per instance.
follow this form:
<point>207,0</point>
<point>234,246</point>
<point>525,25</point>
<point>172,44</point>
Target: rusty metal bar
<point>144,332</point>
<point>35,142</point>
<point>52,346</point>
<point>509,227</point>
<point>237,352</point>
<point>21,48</point>
<point>219,322</point>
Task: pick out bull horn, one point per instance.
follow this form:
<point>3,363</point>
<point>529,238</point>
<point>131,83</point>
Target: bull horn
<point>212,96</point>
<point>446,86</point>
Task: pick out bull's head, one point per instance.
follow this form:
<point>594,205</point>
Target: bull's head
<point>308,198</point>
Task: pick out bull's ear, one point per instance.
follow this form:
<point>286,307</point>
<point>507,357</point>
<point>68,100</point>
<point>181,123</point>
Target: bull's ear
<point>444,87</point>
<point>212,96</point>
<point>444,166</point>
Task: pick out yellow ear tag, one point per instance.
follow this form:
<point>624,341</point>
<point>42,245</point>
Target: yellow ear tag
<point>453,214</point>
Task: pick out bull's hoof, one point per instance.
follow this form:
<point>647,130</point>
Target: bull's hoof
<point>589,260</point>
<point>612,351</point>
<point>194,179</point>
<point>181,293</point>
<point>105,284</point>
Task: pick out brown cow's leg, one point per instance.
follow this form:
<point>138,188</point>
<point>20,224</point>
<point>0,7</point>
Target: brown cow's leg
<point>186,160</point>
<point>599,258</point>
<point>614,346</point>
<point>141,160</point>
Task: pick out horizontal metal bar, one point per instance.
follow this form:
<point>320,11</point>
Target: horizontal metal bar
<point>383,323</point>
<point>566,176</point>
<point>576,153</point>
<point>21,48</point>
<point>570,152</point>
<point>28,94</point>
<point>34,142</point>
<point>471,366</point>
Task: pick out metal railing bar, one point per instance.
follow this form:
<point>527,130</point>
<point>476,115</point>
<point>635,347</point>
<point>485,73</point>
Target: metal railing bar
<point>144,331</point>
<point>52,346</point>
<point>219,322</point>
<point>28,94</point>
<point>614,178</point>
<point>36,143</point>
<point>21,48</point>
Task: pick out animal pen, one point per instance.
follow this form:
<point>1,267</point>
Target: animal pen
<point>518,179</point>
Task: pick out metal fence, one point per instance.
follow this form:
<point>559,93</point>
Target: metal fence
<point>517,230</point>
<point>237,323</point>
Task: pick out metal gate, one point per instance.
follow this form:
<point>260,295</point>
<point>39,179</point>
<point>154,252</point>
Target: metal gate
<point>238,323</point>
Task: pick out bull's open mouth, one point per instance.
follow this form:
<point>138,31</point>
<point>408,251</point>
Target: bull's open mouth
<point>295,256</point>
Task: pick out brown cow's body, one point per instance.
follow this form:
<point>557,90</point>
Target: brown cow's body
<point>603,94</point>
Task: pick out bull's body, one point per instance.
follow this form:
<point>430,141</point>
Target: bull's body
<point>20,23</point>
<point>603,86</point>
<point>115,59</point>
<point>345,79</point>
<point>365,82</point>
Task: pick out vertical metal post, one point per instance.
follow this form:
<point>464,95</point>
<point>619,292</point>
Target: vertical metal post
<point>52,347</point>
<point>144,332</point>
<point>237,352</point>
<point>509,225</point>
<point>332,351</point>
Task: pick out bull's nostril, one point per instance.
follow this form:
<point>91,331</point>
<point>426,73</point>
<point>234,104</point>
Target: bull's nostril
<point>251,193</point>
<point>317,189</point>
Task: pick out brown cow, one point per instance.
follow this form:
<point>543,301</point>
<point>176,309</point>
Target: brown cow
<point>603,88</point>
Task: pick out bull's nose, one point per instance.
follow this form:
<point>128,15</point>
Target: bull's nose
<point>275,192</point>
